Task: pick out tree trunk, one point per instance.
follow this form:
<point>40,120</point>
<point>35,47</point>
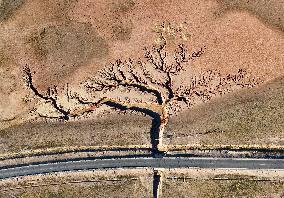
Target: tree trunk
<point>164,121</point>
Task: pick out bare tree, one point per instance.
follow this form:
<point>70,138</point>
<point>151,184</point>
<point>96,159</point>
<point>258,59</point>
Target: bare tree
<point>154,75</point>
<point>51,97</point>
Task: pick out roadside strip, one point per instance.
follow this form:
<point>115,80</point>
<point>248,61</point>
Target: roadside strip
<point>61,150</point>
<point>169,148</point>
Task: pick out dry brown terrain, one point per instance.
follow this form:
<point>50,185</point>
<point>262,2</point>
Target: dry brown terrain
<point>199,183</point>
<point>247,117</point>
<point>122,130</point>
<point>65,40</point>
<point>270,12</point>
<point>112,183</point>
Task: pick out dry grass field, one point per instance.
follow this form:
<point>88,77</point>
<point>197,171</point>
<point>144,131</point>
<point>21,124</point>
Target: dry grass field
<point>223,188</point>
<point>196,183</point>
<point>118,183</point>
<point>115,130</point>
<point>223,183</point>
<point>254,116</point>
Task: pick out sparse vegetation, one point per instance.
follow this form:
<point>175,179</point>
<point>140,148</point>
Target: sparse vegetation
<point>64,48</point>
<point>99,184</point>
<point>224,185</point>
<point>116,130</point>
<point>222,188</point>
<point>69,40</point>
<point>7,8</point>
<point>254,116</point>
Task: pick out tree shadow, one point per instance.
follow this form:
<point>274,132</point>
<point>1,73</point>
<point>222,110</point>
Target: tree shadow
<point>156,183</point>
<point>155,126</point>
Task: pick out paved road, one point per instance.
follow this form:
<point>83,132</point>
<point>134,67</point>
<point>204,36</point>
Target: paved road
<point>143,162</point>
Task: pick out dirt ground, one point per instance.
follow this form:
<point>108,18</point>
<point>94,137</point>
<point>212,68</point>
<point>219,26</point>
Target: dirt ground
<point>112,183</point>
<point>209,183</point>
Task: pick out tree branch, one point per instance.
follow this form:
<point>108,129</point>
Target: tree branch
<point>212,83</point>
<point>110,81</point>
<point>53,101</point>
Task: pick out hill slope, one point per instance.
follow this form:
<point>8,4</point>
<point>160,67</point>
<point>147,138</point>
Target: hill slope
<point>254,116</point>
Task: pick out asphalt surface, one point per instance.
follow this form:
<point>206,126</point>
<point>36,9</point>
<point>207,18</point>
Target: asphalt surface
<point>226,163</point>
